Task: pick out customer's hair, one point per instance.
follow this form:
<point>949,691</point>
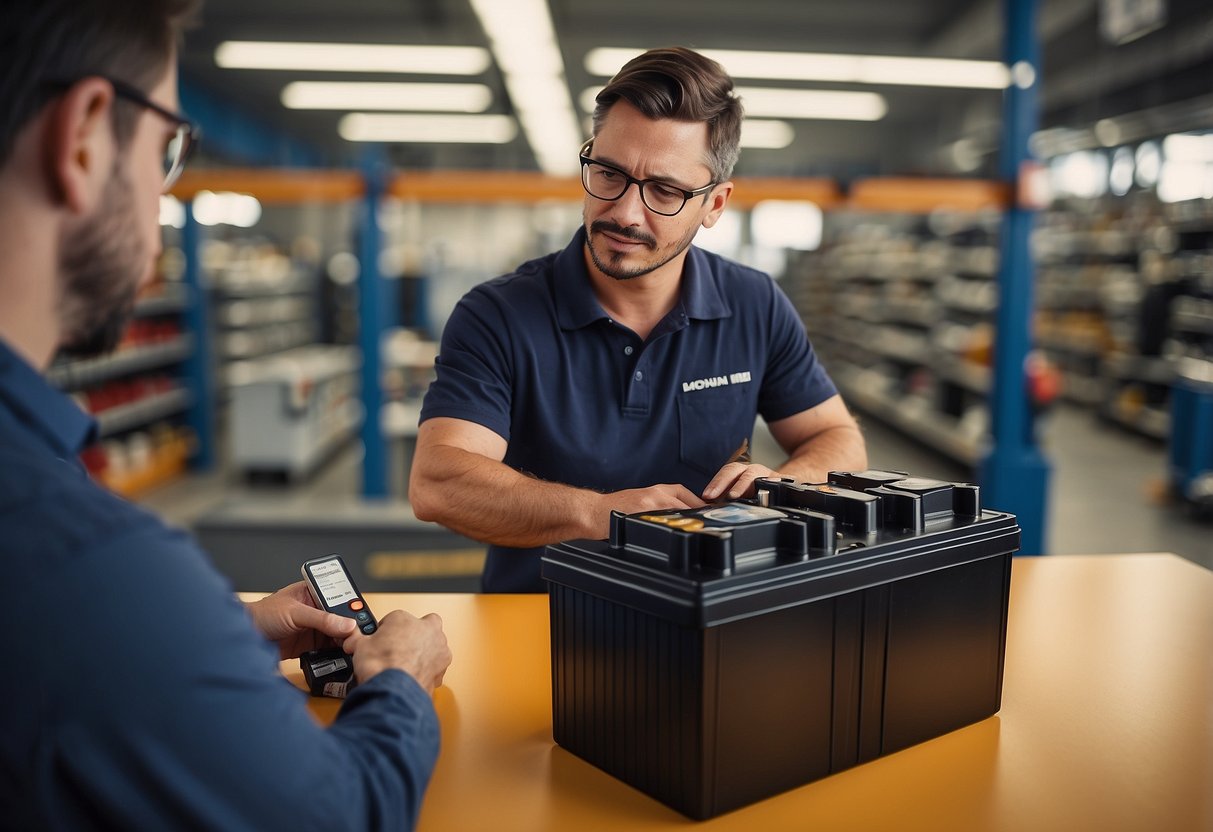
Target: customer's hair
<point>678,83</point>
<point>46,44</point>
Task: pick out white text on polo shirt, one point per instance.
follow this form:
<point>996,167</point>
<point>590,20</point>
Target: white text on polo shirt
<point>715,381</point>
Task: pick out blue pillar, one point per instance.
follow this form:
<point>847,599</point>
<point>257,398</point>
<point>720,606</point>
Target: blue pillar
<point>1014,474</point>
<point>370,333</point>
<point>199,379</point>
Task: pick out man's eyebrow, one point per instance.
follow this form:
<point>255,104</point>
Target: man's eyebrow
<point>664,180</point>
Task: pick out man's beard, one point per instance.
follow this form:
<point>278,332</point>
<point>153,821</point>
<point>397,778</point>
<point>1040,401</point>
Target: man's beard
<point>101,265</point>
<point>610,265</point>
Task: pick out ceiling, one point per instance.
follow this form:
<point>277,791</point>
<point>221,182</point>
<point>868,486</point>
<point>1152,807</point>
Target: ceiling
<point>1085,78</point>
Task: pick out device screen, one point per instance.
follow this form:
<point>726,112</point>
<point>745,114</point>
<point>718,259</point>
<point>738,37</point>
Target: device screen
<point>333,583</point>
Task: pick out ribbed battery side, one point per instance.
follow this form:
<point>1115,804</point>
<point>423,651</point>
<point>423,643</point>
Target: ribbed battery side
<point>627,695</point>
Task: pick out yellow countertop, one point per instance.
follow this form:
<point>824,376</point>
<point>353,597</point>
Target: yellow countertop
<point>1106,722</point>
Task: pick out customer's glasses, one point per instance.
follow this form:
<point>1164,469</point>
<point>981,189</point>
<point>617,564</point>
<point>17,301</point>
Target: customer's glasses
<point>178,148</point>
<point>607,182</point>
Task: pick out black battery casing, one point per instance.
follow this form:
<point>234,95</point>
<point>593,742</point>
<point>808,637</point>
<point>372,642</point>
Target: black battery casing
<point>711,669</point>
<point>328,671</point>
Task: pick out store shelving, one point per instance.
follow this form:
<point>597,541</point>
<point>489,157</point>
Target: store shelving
<point>76,374</point>
<point>140,393</point>
<point>900,311</point>
<point>145,411</point>
<point>263,305</point>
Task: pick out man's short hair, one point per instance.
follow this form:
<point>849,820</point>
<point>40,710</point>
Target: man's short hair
<point>45,44</point>
<point>678,83</point>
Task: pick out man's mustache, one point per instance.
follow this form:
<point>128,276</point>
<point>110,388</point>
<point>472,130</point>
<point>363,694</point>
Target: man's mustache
<point>627,233</point>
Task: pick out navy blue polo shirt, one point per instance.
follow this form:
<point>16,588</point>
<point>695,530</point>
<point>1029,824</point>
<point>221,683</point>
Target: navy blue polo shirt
<point>141,696</point>
<point>582,400</point>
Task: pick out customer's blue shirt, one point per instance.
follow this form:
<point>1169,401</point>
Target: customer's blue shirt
<point>139,695</point>
<point>582,400</point>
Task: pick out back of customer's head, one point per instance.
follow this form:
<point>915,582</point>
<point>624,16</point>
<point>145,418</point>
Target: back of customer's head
<point>678,83</point>
<point>47,44</point>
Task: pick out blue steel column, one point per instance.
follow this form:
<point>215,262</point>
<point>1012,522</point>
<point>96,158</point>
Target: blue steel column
<point>1015,474</point>
<point>370,333</point>
<point>198,376</point>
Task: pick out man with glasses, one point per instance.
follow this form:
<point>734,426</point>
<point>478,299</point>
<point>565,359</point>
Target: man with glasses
<point>625,372</point>
<point>144,695</point>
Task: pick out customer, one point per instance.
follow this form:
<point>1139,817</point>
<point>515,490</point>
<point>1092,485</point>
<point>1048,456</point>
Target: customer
<point>140,694</point>
<point>622,372</point>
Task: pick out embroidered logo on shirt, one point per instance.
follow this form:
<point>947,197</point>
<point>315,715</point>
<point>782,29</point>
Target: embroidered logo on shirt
<point>716,381</point>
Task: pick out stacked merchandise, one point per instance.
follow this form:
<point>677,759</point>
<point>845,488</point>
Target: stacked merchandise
<point>139,393</point>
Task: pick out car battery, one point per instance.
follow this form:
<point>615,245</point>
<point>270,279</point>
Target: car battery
<point>714,657</point>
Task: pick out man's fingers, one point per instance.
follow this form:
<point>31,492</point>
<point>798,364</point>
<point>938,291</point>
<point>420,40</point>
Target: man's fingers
<point>333,626</point>
<point>724,478</point>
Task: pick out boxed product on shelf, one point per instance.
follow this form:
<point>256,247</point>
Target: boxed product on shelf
<point>714,657</point>
<point>290,410</point>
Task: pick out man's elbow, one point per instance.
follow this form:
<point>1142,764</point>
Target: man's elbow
<point>421,497</point>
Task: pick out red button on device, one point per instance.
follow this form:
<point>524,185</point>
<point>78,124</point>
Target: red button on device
<point>355,605</point>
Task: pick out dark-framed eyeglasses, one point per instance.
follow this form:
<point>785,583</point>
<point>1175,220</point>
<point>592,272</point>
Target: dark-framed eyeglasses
<point>180,145</point>
<point>607,182</point>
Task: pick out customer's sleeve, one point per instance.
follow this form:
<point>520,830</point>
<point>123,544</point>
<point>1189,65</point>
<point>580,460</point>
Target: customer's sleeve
<point>176,715</point>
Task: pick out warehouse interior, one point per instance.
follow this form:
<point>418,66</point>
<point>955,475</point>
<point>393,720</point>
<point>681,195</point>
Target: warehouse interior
<point>266,396</point>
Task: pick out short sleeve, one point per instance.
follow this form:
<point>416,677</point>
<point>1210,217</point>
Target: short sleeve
<point>795,379</point>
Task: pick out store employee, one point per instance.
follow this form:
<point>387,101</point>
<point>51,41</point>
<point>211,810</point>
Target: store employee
<point>141,694</point>
<point>623,372</point>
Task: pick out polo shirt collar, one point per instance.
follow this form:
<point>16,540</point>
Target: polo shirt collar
<point>46,412</point>
<point>577,307</point>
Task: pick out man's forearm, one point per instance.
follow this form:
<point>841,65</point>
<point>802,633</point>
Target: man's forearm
<point>839,448</point>
<point>491,502</point>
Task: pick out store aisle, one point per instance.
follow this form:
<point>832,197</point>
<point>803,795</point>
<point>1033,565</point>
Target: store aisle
<point>1103,499</point>
<point>1105,492</point>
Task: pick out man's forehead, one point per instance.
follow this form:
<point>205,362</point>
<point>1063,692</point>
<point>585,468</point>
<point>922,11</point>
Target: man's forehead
<point>677,147</point>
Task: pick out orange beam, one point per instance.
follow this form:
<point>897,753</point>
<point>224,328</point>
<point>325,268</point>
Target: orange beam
<point>516,186</point>
<point>273,186</point>
<point>900,194</point>
<point>749,191</point>
<point>907,195</point>
<point>484,186</point>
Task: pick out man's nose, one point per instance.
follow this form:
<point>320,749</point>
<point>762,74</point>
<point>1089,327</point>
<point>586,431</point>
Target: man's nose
<point>630,206</point>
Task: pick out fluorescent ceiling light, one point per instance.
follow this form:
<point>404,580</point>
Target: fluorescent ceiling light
<point>391,127</point>
<point>771,102</point>
<point>853,69</point>
<point>523,42</point>
<point>766,133</point>
<point>353,57</point>
<point>338,95</point>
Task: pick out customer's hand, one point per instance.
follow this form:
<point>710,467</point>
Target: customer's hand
<point>291,619</point>
<point>415,645</point>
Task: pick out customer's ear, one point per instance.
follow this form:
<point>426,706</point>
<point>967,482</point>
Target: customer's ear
<point>80,147</point>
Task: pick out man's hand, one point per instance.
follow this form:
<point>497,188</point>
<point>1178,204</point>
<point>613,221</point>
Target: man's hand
<point>415,645</point>
<point>290,618</point>
<point>653,498</point>
<point>736,480</point>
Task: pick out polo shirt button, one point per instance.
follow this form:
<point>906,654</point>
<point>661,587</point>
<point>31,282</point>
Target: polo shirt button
<point>639,375</point>
<point>627,350</point>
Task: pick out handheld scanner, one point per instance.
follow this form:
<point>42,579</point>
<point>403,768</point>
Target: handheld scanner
<point>333,590</point>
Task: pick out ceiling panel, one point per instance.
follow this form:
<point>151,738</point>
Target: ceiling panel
<point>919,120</point>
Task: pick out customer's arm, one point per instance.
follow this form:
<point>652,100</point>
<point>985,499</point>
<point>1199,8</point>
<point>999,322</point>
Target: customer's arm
<point>818,440</point>
<point>459,480</point>
<point>178,717</point>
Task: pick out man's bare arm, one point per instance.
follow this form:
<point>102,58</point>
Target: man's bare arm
<point>459,480</point>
